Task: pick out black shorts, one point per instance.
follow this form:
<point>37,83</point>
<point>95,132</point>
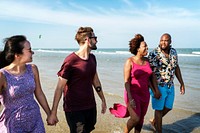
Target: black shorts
<point>82,121</point>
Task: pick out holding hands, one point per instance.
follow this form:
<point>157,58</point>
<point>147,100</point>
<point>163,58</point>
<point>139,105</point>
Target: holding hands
<point>157,94</point>
<point>52,119</point>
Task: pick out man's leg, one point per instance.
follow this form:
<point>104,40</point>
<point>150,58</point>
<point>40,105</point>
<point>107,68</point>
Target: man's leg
<point>76,121</point>
<point>159,106</point>
<point>158,120</point>
<point>165,111</point>
<point>91,119</point>
<point>169,100</point>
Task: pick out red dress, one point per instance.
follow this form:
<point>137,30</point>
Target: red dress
<point>139,90</point>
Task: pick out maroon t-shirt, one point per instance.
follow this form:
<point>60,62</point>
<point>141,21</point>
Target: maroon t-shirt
<point>78,93</point>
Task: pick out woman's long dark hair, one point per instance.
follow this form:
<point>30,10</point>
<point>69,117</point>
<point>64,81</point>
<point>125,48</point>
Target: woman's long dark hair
<point>13,45</point>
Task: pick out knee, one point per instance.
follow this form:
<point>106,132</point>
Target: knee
<point>135,119</point>
<point>158,111</point>
<point>167,109</point>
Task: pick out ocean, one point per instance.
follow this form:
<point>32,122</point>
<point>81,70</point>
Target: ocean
<point>110,63</point>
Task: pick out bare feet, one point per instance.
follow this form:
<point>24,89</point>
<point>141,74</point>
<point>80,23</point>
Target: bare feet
<point>152,123</point>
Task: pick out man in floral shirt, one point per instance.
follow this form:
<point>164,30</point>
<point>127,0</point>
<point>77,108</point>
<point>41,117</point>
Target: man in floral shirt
<point>164,63</point>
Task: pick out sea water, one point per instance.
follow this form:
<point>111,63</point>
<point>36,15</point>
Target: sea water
<point>110,65</point>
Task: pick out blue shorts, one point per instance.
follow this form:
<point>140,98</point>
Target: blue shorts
<point>166,100</point>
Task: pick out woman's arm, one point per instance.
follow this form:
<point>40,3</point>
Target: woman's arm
<point>2,83</point>
<point>38,91</point>
<point>127,80</point>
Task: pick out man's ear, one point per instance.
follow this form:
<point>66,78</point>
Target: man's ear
<point>87,39</point>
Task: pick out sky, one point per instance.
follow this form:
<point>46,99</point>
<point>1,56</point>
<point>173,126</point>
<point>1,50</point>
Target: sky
<point>54,23</point>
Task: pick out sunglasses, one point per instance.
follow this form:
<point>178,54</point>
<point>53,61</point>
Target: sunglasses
<point>93,37</point>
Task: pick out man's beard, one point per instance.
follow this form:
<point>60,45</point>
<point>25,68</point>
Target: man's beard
<point>93,47</point>
<point>165,48</point>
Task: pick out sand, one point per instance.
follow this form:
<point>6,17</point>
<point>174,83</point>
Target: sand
<point>176,121</point>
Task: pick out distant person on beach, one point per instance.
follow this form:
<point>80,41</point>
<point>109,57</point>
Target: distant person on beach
<point>137,78</point>
<point>164,63</point>
<point>19,82</point>
<point>76,79</point>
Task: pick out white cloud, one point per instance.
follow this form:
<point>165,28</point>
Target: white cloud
<point>113,22</point>
<point>42,14</point>
<point>80,8</point>
<point>127,2</point>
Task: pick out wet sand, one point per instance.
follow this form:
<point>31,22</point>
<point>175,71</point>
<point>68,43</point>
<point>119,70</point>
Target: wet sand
<point>176,121</point>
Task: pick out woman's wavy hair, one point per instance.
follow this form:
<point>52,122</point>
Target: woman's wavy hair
<point>134,43</point>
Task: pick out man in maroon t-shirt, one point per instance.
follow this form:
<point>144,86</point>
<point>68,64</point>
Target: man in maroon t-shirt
<point>77,77</point>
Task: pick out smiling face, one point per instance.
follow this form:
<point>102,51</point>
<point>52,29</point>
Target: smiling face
<point>143,49</point>
<point>27,53</point>
<point>165,42</point>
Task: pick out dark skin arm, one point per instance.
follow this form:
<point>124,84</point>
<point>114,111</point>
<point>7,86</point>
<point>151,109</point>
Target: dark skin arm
<point>179,77</point>
<point>127,82</point>
<point>154,86</point>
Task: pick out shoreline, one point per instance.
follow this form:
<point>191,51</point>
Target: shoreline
<point>176,121</point>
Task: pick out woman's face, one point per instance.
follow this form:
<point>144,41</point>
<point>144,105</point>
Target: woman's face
<point>27,53</point>
<point>143,49</point>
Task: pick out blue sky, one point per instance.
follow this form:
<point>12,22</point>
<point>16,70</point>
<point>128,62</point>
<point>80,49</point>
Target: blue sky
<point>115,22</point>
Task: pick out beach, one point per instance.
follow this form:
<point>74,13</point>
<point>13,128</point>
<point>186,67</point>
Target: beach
<point>184,118</point>
<point>176,121</point>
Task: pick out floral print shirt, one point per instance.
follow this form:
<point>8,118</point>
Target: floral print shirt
<point>163,67</point>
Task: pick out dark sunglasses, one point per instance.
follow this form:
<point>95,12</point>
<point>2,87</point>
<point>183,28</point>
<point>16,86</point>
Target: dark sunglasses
<point>93,37</point>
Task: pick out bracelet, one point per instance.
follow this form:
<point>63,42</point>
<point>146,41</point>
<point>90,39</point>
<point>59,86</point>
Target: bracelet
<point>98,88</point>
<point>132,101</point>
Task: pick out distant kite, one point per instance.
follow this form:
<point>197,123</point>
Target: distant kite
<point>40,36</point>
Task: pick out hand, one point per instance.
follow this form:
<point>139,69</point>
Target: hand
<point>52,120</point>
<point>182,89</point>
<point>132,103</point>
<point>157,94</point>
<point>104,107</point>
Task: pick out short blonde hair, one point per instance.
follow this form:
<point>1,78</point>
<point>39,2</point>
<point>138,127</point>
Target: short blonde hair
<point>82,33</point>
